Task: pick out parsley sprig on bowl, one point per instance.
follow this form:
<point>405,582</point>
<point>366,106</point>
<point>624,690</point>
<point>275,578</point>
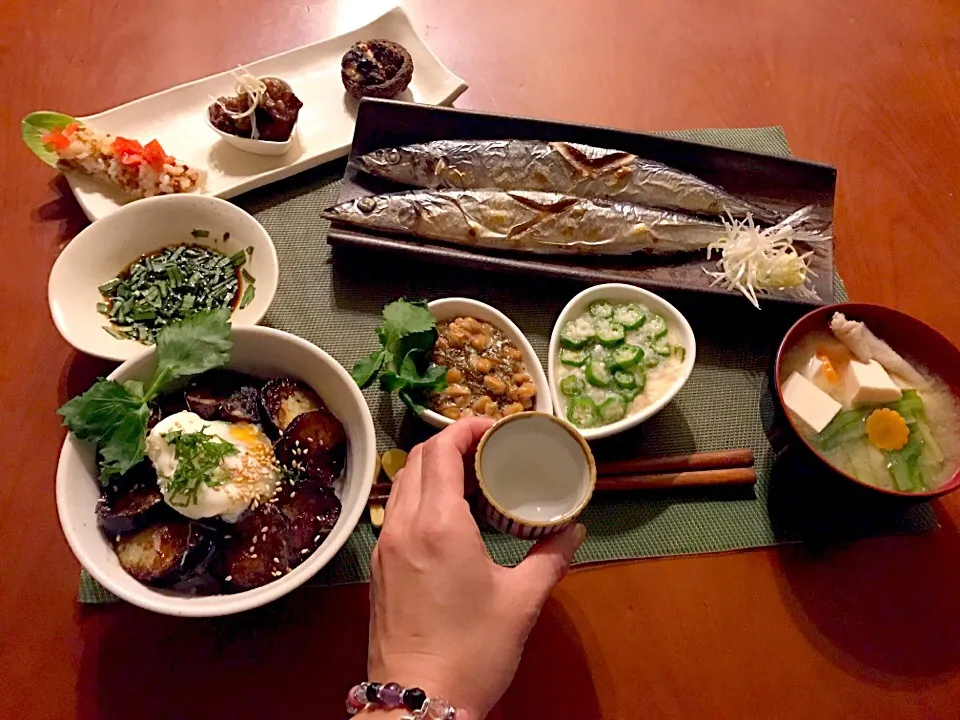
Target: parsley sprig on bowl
<point>407,335</point>
<point>213,481</point>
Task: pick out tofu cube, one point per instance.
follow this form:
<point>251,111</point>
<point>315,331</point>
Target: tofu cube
<point>869,383</point>
<point>808,402</point>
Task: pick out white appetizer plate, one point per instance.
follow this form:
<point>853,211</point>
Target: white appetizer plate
<point>176,117</point>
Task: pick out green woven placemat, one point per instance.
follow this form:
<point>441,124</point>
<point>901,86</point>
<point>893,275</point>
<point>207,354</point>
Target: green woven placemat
<point>336,302</point>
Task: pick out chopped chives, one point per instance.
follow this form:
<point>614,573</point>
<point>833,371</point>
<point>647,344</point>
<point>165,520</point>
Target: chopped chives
<point>247,296</point>
<point>169,285</point>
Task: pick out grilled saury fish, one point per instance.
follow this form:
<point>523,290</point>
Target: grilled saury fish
<point>561,167</point>
<point>537,222</point>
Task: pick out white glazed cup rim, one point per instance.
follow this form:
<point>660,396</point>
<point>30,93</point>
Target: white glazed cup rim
<point>567,428</point>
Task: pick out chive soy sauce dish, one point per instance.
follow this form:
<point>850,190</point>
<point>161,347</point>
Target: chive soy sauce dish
<point>156,262</point>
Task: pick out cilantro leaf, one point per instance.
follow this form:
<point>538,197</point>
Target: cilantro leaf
<point>433,378</point>
<point>402,318</point>
<point>125,447</point>
<point>407,335</point>
<point>194,345</point>
<point>95,415</point>
<point>114,415</point>
<point>366,370</point>
<point>411,402</point>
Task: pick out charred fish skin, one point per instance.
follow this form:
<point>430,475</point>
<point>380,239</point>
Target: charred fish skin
<point>563,167</point>
<point>533,222</point>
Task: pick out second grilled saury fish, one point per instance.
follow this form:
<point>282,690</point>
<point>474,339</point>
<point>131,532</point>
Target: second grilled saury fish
<point>548,223</point>
<point>562,167</point>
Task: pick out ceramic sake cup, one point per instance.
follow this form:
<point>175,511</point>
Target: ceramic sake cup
<point>536,475</point>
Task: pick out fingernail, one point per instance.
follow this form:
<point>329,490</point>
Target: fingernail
<point>581,531</point>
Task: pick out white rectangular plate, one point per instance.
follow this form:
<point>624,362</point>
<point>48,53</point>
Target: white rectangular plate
<point>176,117</point>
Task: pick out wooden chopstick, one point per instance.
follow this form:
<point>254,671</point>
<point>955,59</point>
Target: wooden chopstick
<point>690,478</point>
<point>715,460</point>
<point>722,467</point>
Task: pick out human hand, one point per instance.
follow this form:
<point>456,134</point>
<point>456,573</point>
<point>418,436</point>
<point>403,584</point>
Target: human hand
<point>444,616</point>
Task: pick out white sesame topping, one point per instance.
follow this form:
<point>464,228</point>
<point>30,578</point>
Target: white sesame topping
<point>228,578</point>
<point>276,560</point>
<point>304,551</point>
<point>293,494</point>
<point>316,538</point>
<point>254,556</point>
<point>264,528</point>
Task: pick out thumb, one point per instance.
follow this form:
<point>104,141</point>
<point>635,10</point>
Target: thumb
<point>548,561</point>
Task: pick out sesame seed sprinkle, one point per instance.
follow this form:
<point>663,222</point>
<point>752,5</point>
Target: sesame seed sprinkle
<point>304,551</point>
<point>254,556</point>
<point>293,494</point>
<point>228,578</point>
<point>316,538</point>
<point>264,529</point>
<point>276,560</point>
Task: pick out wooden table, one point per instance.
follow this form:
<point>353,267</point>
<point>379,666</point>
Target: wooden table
<point>868,630</point>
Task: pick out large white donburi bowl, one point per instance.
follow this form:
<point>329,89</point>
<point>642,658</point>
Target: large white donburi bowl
<point>266,353</point>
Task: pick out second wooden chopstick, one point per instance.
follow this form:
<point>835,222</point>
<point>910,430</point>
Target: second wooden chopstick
<point>740,458</point>
<point>691,478</point>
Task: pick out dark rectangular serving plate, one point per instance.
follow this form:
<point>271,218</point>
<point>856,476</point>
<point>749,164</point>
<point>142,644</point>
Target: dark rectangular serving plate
<point>780,182</point>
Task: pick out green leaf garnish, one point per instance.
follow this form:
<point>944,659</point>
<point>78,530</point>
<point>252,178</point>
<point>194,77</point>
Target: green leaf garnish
<point>113,416</point>
<point>198,456</point>
<point>37,124</point>
<point>407,334</point>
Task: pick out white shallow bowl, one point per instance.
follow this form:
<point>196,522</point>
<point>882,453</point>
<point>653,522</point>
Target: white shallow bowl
<point>108,246</point>
<point>536,475</point>
<point>266,353</point>
<point>450,308</point>
<point>257,147</point>
<point>619,292</point>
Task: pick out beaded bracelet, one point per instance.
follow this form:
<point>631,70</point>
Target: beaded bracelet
<point>391,696</point>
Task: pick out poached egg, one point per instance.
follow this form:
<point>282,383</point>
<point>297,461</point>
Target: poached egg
<point>251,474</point>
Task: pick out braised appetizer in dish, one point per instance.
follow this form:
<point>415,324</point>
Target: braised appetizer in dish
<point>376,68</point>
<point>870,412</point>
<point>172,284</point>
<point>616,359</point>
<point>262,109</point>
<point>485,371</point>
<point>220,486</point>
<point>138,170</point>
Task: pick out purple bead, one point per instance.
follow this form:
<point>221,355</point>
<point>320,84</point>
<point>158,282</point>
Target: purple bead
<point>391,696</point>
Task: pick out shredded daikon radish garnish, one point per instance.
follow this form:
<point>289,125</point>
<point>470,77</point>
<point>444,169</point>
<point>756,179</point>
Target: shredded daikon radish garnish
<point>757,260</point>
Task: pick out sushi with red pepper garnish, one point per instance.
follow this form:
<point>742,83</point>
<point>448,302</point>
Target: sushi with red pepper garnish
<point>139,170</point>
